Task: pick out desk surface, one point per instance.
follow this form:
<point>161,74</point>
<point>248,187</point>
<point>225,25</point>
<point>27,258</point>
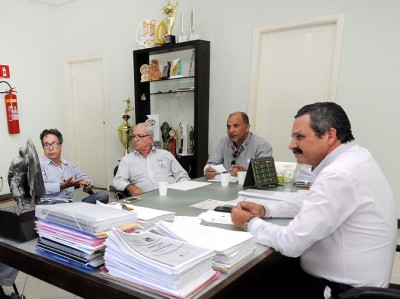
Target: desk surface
<point>91,284</point>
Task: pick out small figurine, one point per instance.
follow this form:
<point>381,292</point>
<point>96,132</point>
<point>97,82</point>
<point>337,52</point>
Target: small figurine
<point>154,70</point>
<point>165,134</point>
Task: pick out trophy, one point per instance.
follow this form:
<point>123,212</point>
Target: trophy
<point>183,137</point>
<point>167,24</point>
<point>193,34</point>
<point>125,130</point>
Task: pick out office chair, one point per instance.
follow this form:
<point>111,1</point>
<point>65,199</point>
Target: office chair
<point>392,292</point>
<point>15,295</point>
<point>119,194</point>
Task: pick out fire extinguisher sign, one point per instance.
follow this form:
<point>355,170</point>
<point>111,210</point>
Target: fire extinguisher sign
<point>4,71</point>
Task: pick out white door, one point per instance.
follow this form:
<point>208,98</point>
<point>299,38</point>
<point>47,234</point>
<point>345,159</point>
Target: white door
<point>86,117</point>
<point>293,64</point>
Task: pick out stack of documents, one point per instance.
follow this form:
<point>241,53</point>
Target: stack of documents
<point>265,194</point>
<point>304,175</point>
<point>75,233</point>
<point>70,245</point>
<point>230,247</point>
<point>79,215</point>
<point>146,217</point>
<point>159,264</point>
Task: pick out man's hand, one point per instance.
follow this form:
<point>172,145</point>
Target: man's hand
<point>87,186</point>
<point>245,211</point>
<point>210,173</point>
<point>133,190</point>
<point>235,168</point>
<point>70,182</point>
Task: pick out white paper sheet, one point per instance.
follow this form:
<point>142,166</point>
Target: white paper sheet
<point>216,217</point>
<point>187,185</point>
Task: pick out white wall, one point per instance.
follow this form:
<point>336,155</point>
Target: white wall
<point>27,45</point>
<point>44,37</point>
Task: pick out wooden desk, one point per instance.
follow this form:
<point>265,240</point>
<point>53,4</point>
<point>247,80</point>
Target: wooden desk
<point>265,271</point>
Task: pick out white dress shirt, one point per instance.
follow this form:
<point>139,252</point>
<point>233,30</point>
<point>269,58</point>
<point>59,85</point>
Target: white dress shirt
<point>346,229</point>
<point>145,173</point>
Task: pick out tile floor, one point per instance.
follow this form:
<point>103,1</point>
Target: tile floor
<point>34,288</point>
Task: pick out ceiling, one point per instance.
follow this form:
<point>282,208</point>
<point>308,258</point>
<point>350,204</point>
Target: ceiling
<point>53,2</point>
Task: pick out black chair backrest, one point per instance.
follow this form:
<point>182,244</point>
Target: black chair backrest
<point>369,293</point>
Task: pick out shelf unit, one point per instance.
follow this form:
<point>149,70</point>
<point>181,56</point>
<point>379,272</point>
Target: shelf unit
<point>194,101</point>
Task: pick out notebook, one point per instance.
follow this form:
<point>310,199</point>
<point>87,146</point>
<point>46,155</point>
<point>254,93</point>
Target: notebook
<point>261,174</point>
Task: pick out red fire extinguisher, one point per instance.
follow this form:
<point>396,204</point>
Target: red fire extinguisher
<point>12,112</point>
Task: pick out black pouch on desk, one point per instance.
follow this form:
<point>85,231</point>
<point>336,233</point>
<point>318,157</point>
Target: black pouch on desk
<point>225,209</point>
<point>261,174</point>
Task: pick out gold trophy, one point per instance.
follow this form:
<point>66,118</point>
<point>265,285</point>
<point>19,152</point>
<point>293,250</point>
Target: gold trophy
<point>165,27</point>
<point>125,130</point>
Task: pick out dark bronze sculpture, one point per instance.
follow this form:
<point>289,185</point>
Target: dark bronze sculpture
<point>25,178</point>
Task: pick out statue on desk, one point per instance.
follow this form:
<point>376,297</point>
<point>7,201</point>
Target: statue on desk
<point>25,178</point>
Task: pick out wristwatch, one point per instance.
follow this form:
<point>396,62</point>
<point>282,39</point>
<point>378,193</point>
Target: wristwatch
<point>246,224</point>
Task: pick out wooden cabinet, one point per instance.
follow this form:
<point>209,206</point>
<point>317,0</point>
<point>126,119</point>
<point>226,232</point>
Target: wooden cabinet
<point>182,99</point>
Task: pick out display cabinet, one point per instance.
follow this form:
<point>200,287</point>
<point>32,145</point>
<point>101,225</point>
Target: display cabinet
<point>179,97</point>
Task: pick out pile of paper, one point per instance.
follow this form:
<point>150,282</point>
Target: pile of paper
<point>158,264</point>
<point>304,175</point>
<point>146,217</point>
<point>92,219</point>
<point>230,247</point>
<point>75,233</point>
<point>70,245</point>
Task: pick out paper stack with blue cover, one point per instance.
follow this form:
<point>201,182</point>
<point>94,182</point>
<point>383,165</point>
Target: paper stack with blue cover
<point>75,233</point>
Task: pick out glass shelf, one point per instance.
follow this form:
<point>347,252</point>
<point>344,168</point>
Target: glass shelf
<point>171,92</point>
<point>170,79</point>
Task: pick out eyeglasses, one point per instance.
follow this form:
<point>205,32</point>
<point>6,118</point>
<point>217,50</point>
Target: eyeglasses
<point>140,137</point>
<point>53,145</point>
<point>235,154</point>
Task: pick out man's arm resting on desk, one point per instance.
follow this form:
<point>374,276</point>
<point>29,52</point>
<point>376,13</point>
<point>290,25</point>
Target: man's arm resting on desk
<point>133,190</point>
<point>245,213</point>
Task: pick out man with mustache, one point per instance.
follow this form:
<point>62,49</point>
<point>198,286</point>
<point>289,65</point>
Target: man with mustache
<point>235,150</point>
<point>345,230</point>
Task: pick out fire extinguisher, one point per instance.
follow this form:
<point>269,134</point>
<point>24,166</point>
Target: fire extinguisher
<point>12,110</point>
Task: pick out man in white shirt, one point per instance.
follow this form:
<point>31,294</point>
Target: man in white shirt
<point>141,170</point>
<point>345,231</point>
